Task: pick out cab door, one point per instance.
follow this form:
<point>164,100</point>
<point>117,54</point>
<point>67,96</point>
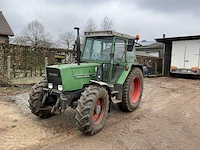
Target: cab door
<point>119,59</point>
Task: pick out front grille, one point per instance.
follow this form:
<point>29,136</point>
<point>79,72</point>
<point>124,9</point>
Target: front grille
<point>53,76</point>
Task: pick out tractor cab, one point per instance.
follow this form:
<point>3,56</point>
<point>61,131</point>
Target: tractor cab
<point>112,50</point>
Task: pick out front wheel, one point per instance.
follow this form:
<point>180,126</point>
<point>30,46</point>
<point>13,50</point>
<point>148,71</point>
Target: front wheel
<point>92,109</point>
<point>132,90</point>
<point>35,100</point>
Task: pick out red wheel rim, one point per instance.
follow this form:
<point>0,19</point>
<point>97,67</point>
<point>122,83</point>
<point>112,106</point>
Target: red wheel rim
<point>98,111</point>
<point>135,90</point>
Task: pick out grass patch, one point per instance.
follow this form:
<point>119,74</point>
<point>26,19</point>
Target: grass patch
<point>29,80</point>
<point>19,85</point>
<point>4,91</point>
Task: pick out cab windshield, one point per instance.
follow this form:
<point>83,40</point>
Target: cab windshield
<point>97,49</point>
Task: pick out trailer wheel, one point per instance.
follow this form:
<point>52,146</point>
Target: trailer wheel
<point>92,109</point>
<point>35,100</point>
<point>132,90</point>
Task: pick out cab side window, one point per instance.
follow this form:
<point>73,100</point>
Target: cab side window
<point>120,47</point>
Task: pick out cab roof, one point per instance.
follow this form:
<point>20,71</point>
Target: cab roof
<point>107,33</point>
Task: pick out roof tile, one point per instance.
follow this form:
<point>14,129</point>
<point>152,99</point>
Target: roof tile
<point>5,29</point>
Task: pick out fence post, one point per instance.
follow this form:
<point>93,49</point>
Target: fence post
<point>45,65</point>
<point>163,65</point>
<point>1,57</point>
<point>45,62</point>
<point>8,67</point>
<point>156,67</point>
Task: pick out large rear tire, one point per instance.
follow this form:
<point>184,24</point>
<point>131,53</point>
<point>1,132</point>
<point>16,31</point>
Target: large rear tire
<point>35,100</point>
<point>132,90</point>
<point>92,109</point>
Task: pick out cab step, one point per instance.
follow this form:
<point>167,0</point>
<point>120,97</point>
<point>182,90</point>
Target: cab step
<point>114,92</point>
<point>115,101</point>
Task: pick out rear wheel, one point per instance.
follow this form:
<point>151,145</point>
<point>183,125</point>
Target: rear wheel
<point>132,90</point>
<point>35,100</point>
<point>92,109</point>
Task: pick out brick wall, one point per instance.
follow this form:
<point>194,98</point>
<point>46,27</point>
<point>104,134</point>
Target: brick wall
<point>1,58</point>
<point>4,39</point>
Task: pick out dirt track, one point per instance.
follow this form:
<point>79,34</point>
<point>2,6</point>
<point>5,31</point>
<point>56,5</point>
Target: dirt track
<point>167,118</point>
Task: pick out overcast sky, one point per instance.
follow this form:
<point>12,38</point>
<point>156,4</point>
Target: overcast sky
<point>148,18</point>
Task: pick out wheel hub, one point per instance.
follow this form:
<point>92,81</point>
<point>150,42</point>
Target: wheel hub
<point>135,90</point>
<point>98,109</point>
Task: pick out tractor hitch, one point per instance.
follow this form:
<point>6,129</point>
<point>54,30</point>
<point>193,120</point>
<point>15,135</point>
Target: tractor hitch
<point>62,102</point>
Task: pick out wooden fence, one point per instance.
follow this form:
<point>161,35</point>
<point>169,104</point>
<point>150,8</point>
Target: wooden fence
<point>154,64</point>
<point>27,61</point>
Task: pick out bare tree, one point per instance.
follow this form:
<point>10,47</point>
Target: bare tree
<point>107,23</point>
<point>90,25</point>
<point>34,34</point>
<point>67,39</point>
<point>20,40</point>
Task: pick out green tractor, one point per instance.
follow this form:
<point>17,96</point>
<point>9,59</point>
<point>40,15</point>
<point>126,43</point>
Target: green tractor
<point>106,72</point>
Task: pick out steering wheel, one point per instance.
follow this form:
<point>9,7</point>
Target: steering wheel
<point>102,56</point>
<point>98,55</point>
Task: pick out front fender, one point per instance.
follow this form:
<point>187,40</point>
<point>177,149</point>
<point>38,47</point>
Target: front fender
<point>110,88</point>
<point>102,84</point>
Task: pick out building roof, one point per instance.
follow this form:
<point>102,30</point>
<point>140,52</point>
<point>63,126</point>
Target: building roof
<point>144,54</point>
<point>146,43</point>
<point>180,38</point>
<point>5,29</point>
<point>149,45</point>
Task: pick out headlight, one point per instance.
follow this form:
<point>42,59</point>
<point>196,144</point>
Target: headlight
<point>50,85</point>
<point>96,69</point>
<point>60,87</point>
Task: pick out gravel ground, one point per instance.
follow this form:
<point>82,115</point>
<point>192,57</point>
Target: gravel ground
<point>21,101</point>
<point>167,118</point>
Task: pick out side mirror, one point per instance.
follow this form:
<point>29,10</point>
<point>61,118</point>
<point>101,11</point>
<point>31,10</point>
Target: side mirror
<point>111,55</point>
<point>131,43</point>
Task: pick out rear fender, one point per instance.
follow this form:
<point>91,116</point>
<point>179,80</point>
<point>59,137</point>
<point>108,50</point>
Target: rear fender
<point>125,74</point>
<point>138,66</point>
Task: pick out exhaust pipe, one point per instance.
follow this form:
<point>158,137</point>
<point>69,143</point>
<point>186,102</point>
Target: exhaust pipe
<point>78,45</point>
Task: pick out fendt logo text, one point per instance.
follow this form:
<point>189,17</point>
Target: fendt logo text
<point>53,74</point>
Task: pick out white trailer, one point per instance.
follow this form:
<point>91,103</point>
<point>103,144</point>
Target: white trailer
<point>185,57</point>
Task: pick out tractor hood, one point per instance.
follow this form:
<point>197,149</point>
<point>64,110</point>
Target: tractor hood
<point>66,66</point>
<point>71,76</point>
